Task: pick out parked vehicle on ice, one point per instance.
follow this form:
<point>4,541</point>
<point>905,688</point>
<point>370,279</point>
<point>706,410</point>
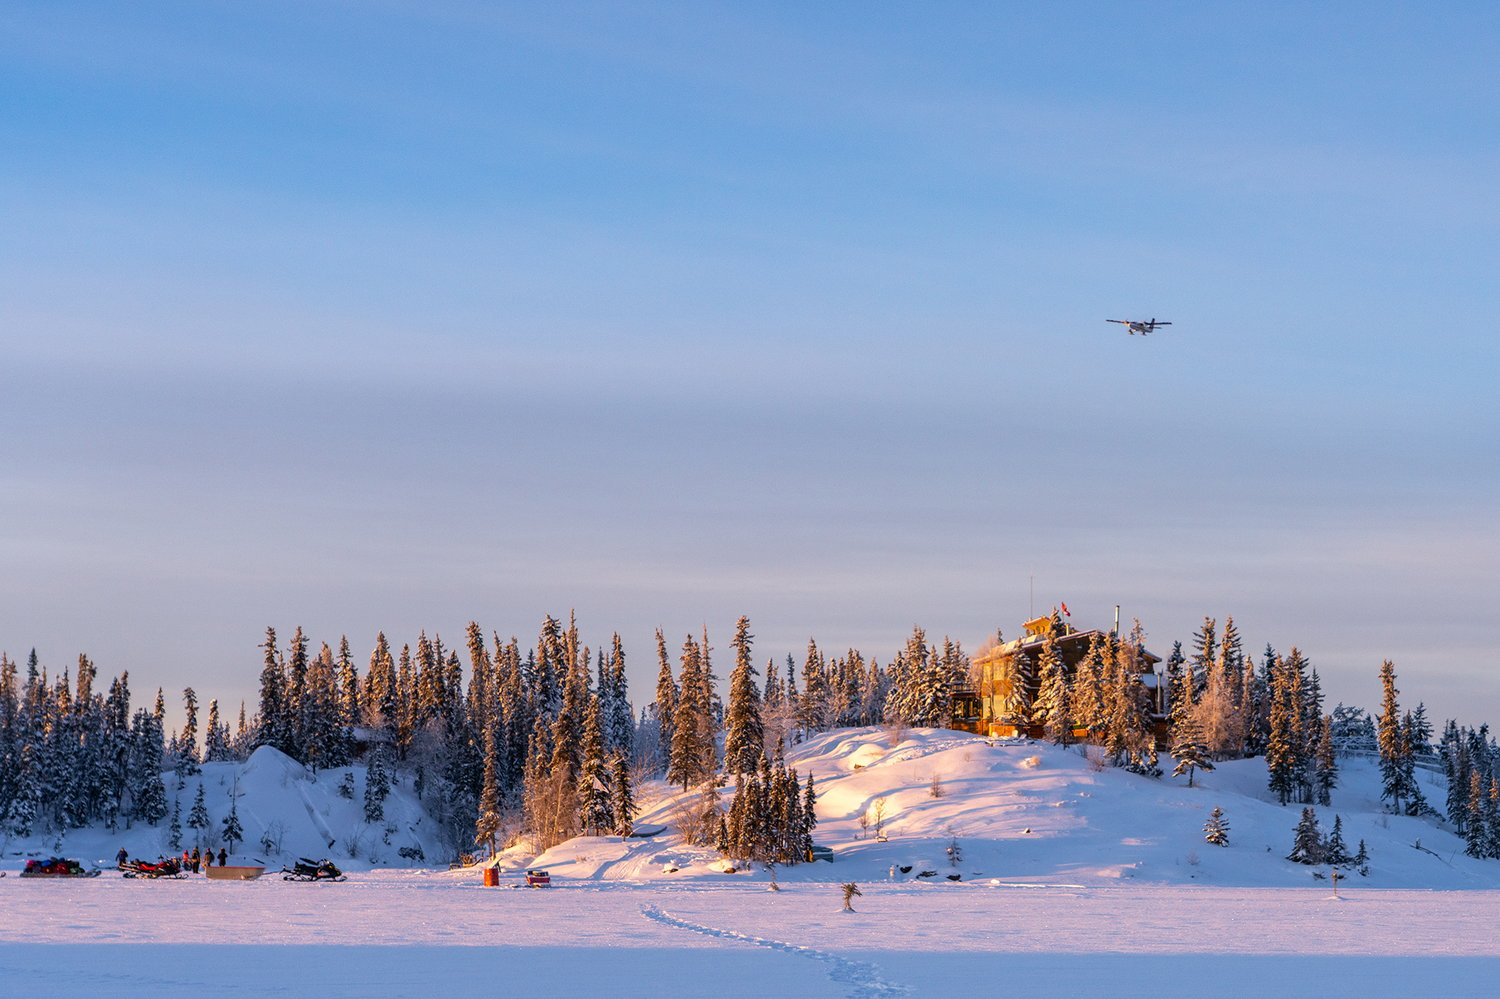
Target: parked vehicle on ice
<point>312,870</point>
<point>169,868</point>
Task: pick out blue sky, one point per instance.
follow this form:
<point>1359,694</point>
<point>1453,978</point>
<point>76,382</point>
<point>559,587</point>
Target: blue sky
<point>393,316</point>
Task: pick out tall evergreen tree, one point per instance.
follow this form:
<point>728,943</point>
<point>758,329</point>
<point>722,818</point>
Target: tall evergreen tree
<point>1393,748</point>
<point>744,744</point>
<point>198,819</point>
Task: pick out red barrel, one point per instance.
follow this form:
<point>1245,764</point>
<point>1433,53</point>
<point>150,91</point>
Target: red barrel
<point>492,877</point>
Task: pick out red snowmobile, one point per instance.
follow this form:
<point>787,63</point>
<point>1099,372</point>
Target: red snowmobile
<point>169,868</point>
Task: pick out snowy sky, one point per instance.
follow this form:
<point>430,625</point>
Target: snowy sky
<point>397,315</point>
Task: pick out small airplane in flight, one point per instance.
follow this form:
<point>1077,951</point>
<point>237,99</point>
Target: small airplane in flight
<point>1141,326</point>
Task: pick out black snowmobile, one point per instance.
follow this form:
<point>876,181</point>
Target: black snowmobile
<point>169,868</point>
<point>312,870</point>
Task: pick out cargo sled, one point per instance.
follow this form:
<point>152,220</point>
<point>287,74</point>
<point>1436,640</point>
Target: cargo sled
<point>56,867</point>
<point>235,872</point>
<point>538,879</point>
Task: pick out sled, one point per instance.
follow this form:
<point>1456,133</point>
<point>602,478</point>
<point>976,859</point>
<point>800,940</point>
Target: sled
<point>56,867</point>
<point>312,870</point>
<point>233,872</point>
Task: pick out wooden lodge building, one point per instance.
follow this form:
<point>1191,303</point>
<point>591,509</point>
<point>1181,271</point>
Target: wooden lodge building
<point>982,708</point>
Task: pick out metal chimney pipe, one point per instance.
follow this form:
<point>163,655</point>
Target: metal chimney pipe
<point>1117,620</point>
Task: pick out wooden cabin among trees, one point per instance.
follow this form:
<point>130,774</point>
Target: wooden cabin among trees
<point>1069,685</point>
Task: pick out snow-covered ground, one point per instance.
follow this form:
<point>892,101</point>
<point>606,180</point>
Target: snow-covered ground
<point>408,933</point>
<point>1072,878</point>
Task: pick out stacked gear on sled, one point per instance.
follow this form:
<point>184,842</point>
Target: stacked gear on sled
<point>56,867</point>
<point>168,868</point>
<point>312,870</point>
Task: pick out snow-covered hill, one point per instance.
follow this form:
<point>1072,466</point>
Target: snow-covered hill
<point>284,809</point>
<point>1017,811</point>
<point>1029,812</point>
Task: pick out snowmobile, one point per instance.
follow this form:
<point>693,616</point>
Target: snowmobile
<point>169,868</point>
<point>56,867</point>
<point>312,870</point>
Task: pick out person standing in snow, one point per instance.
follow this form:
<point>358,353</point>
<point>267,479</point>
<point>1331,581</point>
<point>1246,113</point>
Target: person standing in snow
<point>223,858</point>
<point>121,858</point>
<point>197,859</point>
<point>208,860</point>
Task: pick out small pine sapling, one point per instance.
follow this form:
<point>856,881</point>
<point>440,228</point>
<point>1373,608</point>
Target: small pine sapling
<point>1216,829</point>
<point>936,789</point>
<point>955,852</point>
<point>850,890</point>
<point>1307,840</point>
<point>1362,860</point>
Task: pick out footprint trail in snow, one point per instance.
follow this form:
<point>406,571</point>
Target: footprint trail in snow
<point>863,980</point>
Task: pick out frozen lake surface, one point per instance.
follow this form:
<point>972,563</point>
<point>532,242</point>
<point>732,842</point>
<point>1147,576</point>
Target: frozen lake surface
<point>410,933</point>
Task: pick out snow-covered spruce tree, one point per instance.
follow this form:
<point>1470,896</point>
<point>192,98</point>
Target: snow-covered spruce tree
<point>1051,707</point>
<point>25,805</point>
<point>922,682</point>
<point>187,749</point>
<point>234,833</point>
<point>595,815</point>
<point>271,728</point>
<point>1456,767</point>
<point>664,708</point>
<point>349,707</point>
<point>622,800</point>
<point>1394,786</point>
<point>694,755</point>
<point>1188,749</point>
<point>1307,840</point>
<point>1304,704</point>
<point>619,723</point>
<point>1015,677</point>
<point>1205,650</point>
<point>1325,763</point>
<point>1281,750</point>
<point>1362,860</point>
<point>174,829</point>
<point>146,788</point>
<point>744,734</point>
<point>377,786</point>
<point>198,819</point>
<point>1216,829</point>
<point>1087,697</point>
<point>1418,804</point>
<point>812,707</point>
<point>487,824</point>
<point>1335,850</point>
<point>216,737</point>
<point>1477,836</point>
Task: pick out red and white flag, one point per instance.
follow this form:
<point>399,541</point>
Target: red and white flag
<point>1066,611</point>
